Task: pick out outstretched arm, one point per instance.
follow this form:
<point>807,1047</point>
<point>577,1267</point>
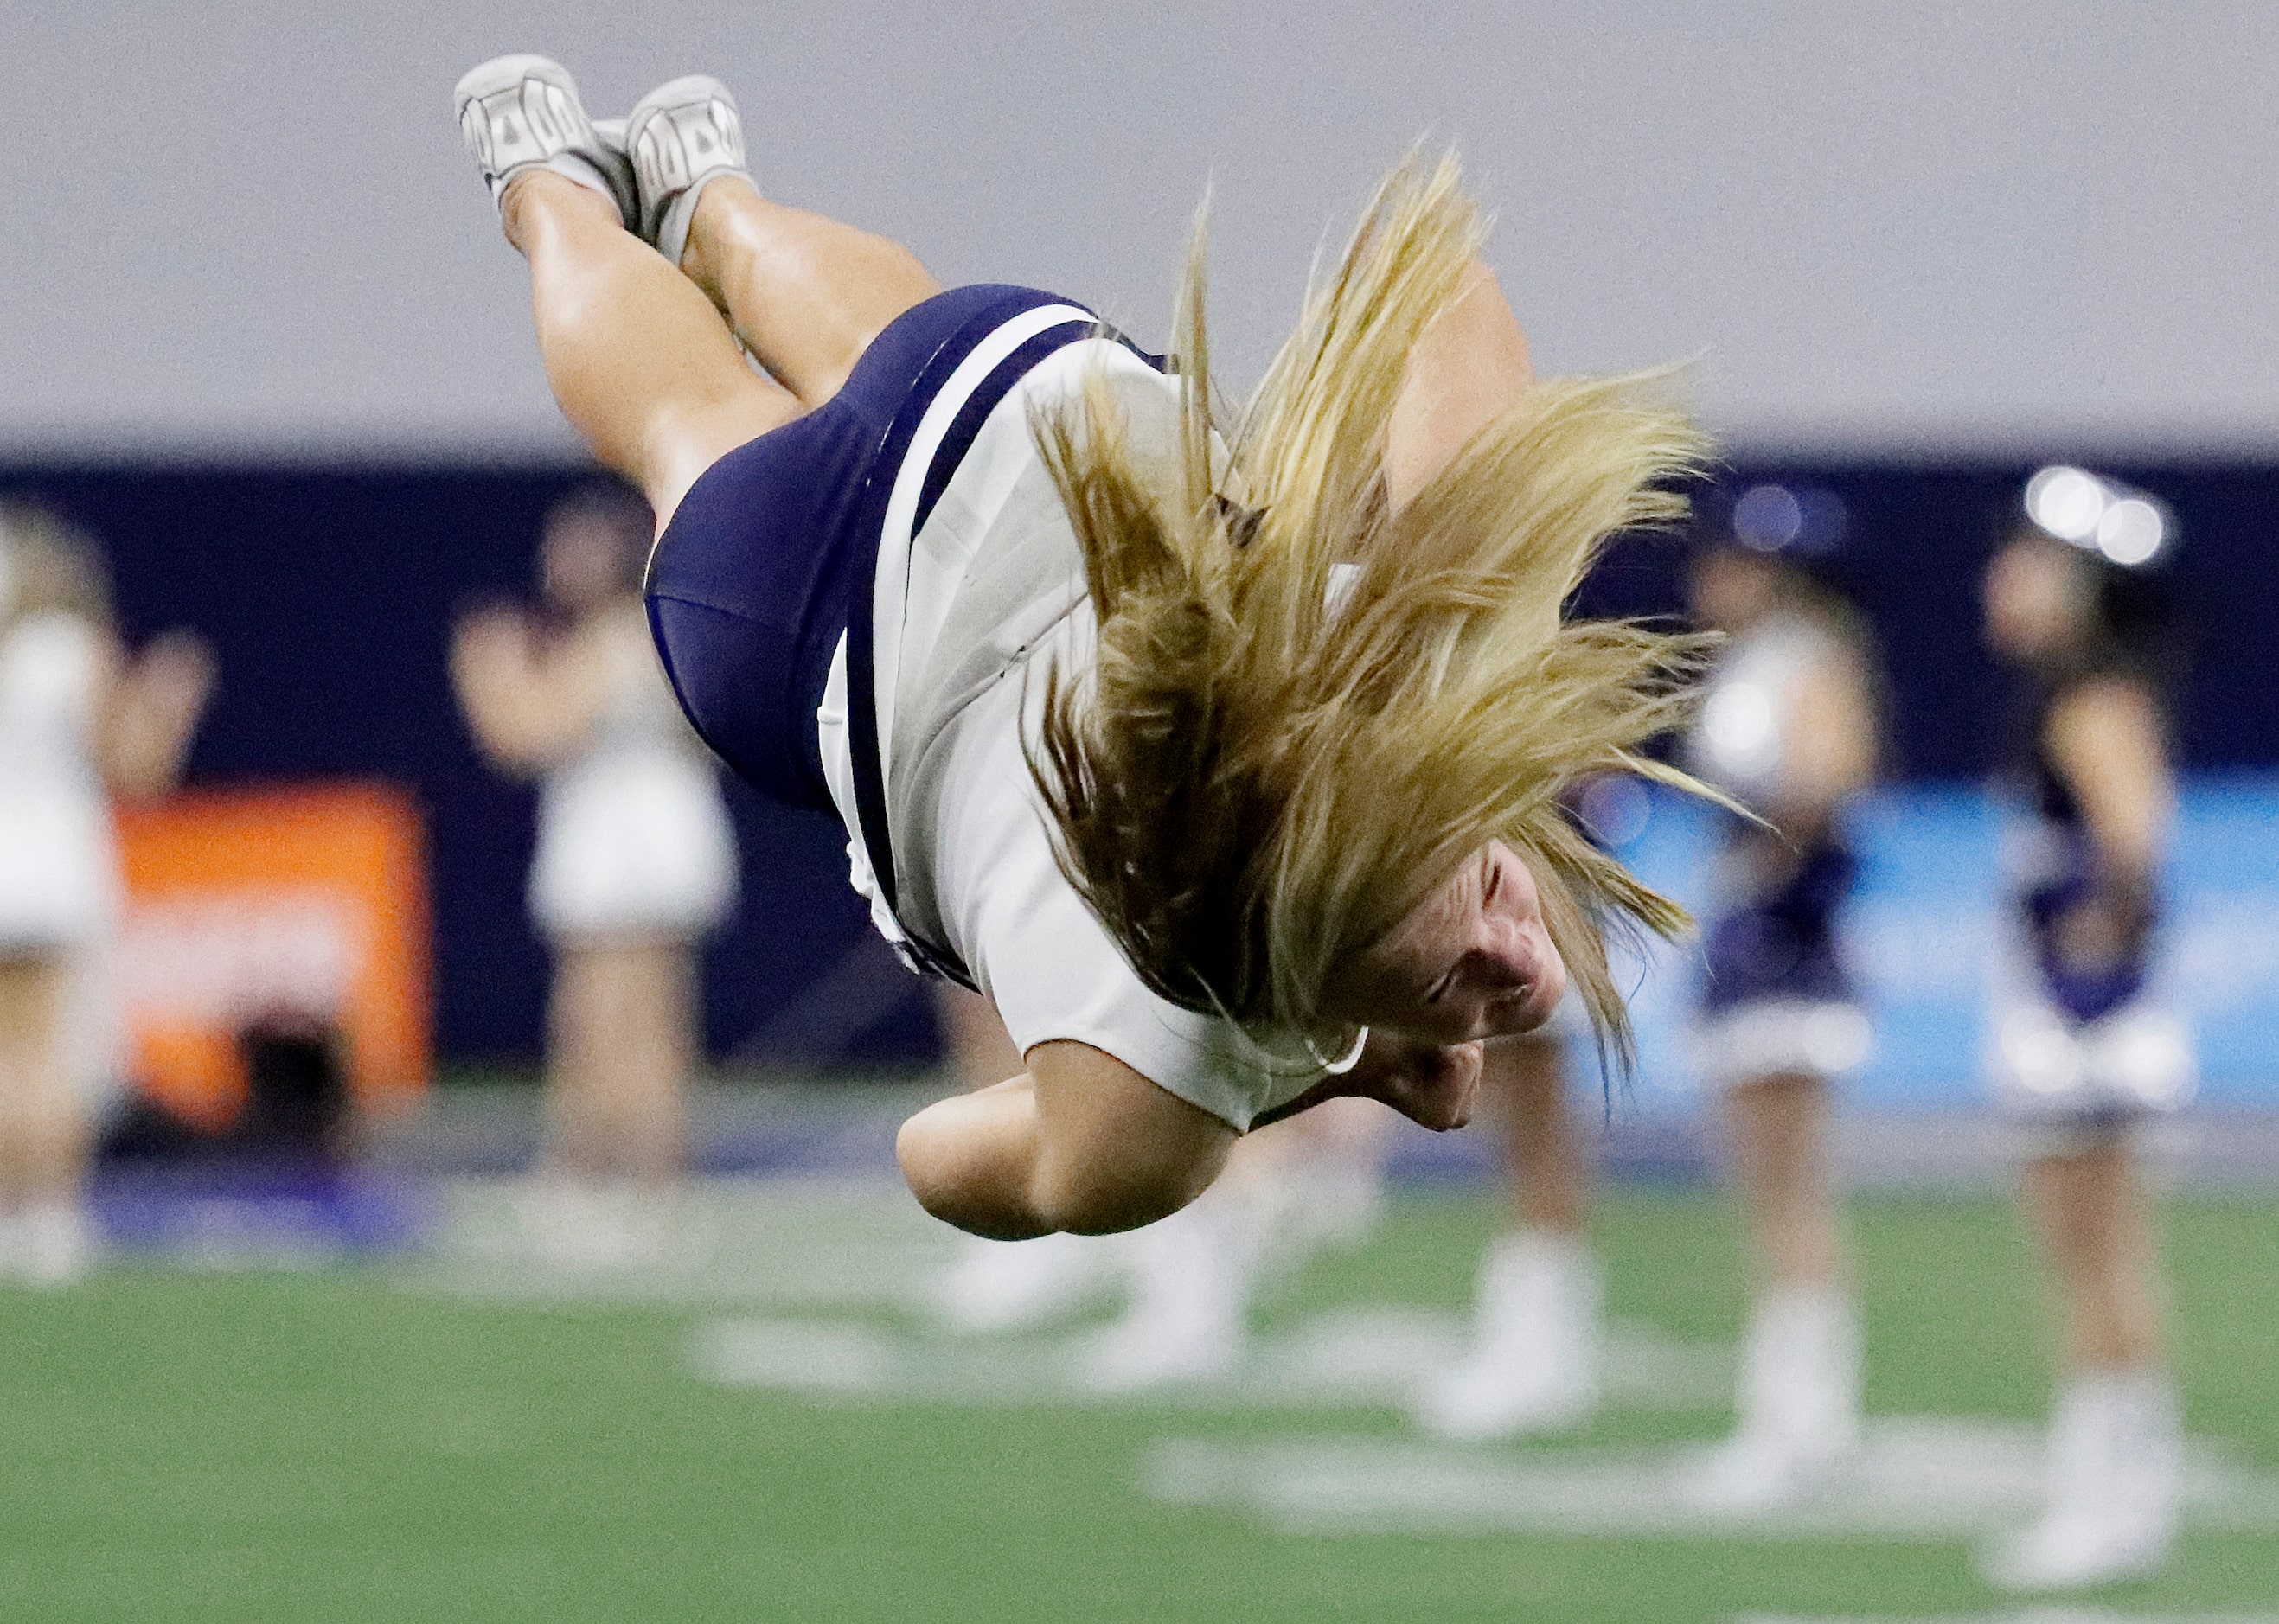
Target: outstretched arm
<point>2105,736</point>
<point>528,707</point>
<point>1081,1143</point>
<point>152,711</point>
<point>1468,368</point>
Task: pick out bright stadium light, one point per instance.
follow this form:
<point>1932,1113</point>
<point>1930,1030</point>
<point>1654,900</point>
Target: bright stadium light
<point>2101,515</point>
<point>2068,502</point>
<point>2130,531</point>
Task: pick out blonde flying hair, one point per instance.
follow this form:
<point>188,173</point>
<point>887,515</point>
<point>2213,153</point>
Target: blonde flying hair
<point>1268,765</point>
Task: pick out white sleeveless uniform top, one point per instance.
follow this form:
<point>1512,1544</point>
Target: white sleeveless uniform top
<point>633,833</point>
<point>970,614</point>
<point>58,862</point>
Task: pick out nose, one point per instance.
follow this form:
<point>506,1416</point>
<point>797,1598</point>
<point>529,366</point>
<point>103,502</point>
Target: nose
<point>1512,950</point>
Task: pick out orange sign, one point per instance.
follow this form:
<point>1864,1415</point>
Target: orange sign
<point>300,905</point>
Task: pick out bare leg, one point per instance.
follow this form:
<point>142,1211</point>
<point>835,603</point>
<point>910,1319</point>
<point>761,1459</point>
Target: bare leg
<point>1534,1359</point>
<point>807,294</point>
<point>641,363</point>
<point>1799,1398</point>
<point>2090,1211</point>
<point>2114,1470</point>
<point>623,1020</point>
<point>1779,1126</point>
<point>42,1131</point>
<point>1544,1153</point>
<point>1468,367</point>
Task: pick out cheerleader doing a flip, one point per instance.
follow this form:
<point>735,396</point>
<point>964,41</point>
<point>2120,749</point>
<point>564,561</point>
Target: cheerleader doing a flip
<point>1227,767</point>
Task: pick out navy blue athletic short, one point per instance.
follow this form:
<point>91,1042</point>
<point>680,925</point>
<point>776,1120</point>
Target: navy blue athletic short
<point>752,584</point>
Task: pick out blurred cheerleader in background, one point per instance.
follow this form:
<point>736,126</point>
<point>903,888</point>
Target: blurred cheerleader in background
<point>635,862</point>
<point>80,721</point>
<point>1789,730</point>
<point>2081,1051</point>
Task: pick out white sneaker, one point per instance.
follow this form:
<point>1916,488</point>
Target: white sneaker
<point>681,136</point>
<point>582,1228</point>
<point>54,1243</point>
<point>2073,1552</point>
<point>521,113</point>
<point>2114,1472</point>
<point>1535,1365</point>
<point>1753,1473</point>
<point>999,1286</point>
<point>1191,1275</point>
<point>1799,1407</point>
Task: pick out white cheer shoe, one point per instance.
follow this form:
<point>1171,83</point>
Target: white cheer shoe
<point>1535,1365</point>
<point>1192,1276</point>
<point>1798,1434</point>
<point>47,1245</point>
<point>1000,1286</point>
<point>2076,1551</point>
<point>521,113</point>
<point>681,137</point>
<point>2115,1472</point>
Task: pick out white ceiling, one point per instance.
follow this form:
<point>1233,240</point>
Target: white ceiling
<point>246,229</point>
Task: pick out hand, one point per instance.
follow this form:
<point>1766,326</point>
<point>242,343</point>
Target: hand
<point>493,638</point>
<point>1431,1084</point>
<point>175,671</point>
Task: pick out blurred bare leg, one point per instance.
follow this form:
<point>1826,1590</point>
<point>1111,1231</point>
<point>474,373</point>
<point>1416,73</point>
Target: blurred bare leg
<point>1799,1400</point>
<point>43,1134</point>
<point>1779,1129</point>
<point>623,1041</point>
<point>1534,1362</point>
<point>806,293</point>
<point>1545,1156</point>
<point>2094,1220</point>
<point>2116,1452</point>
<point>641,364</point>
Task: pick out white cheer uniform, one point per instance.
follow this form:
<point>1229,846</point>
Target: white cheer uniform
<point>980,604</point>
<point>633,834</point>
<point>58,860</point>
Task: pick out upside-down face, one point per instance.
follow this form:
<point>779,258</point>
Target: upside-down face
<point>1473,959</point>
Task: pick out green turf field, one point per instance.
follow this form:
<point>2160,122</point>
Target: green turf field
<point>463,1438</point>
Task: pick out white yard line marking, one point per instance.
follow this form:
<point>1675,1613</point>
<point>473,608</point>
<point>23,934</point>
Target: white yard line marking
<point>1358,1357</point>
<point>1928,1479</point>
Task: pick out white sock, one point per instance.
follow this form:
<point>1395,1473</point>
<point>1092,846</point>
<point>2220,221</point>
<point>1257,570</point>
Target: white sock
<point>1801,1369</point>
<point>1191,1272</point>
<point>1542,1286</point>
<point>54,1242</point>
<point>569,166</point>
<point>2116,1447</point>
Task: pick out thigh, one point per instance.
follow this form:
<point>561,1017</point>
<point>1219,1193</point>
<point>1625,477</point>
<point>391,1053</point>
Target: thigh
<point>31,1001</point>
